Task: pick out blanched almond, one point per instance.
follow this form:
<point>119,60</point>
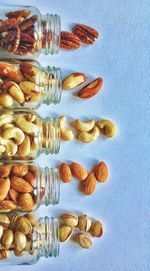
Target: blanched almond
<point>78,171</point>
<point>21,185</point>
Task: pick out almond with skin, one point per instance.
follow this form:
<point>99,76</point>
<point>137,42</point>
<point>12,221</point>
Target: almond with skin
<point>101,172</point>
<point>13,194</point>
<point>5,171</point>
<point>91,89</point>
<point>69,41</point>
<point>65,173</point>
<point>26,201</point>
<point>89,185</point>
<point>4,188</point>
<point>20,170</point>
<point>8,204</point>
<point>74,80</point>
<point>78,171</point>
<point>20,185</point>
<point>29,177</point>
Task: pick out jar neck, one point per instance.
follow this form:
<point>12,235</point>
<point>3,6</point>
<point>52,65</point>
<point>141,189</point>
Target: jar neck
<point>47,237</point>
<point>53,88</point>
<point>50,25</point>
<point>49,186</point>
<point>51,136</point>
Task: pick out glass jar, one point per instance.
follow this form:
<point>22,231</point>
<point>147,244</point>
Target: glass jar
<point>25,33</point>
<point>26,84</point>
<point>29,238</point>
<point>24,135</point>
<point>26,186</point>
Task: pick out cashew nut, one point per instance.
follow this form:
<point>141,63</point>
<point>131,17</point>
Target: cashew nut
<point>36,97</point>
<point>6,118</point>
<point>10,146</point>
<point>66,134</point>
<point>107,128</point>
<point>6,100</point>
<point>88,137</point>
<point>14,133</point>
<point>16,93</point>
<point>2,149</point>
<point>83,126</point>
<point>33,147</point>
<point>26,126</point>
<point>7,125</point>
<point>24,148</point>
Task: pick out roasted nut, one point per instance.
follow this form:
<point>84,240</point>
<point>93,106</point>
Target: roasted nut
<point>24,225</point>
<point>88,137</point>
<point>9,23</point>
<point>10,146</point>
<point>26,126</point>
<point>13,194</point>
<point>20,185</point>
<point>66,134</point>
<point>10,71</point>
<point>6,118</point>
<point>78,171</point>
<point>107,128</point>
<point>74,80</point>
<point>5,170</point>
<point>4,188</point>
<point>30,88</point>
<point>26,201</point>
<point>65,173</point>
<point>7,238</point>
<point>34,74</point>
<point>64,233</point>
<point>83,239</point>
<point>89,185</point>
<point>20,170</point>
<point>28,22</point>
<point>14,133</point>
<point>18,13</point>
<point>13,221</point>
<point>2,149</point>
<point>70,219</point>
<point>84,223</point>
<point>4,220</point>
<point>32,218</point>
<point>15,91</point>
<point>96,229</point>
<point>85,33</point>
<point>83,126</point>
<point>91,89</point>
<point>101,172</point>
<point>69,41</point>
<point>6,100</point>
<point>24,148</point>
<point>8,204</point>
<point>4,254</point>
<point>19,240</point>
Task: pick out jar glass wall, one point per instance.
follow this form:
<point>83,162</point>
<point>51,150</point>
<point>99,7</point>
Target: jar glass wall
<point>25,33</point>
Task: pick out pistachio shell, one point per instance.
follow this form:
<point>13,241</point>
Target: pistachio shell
<point>19,240</point>
<point>24,225</point>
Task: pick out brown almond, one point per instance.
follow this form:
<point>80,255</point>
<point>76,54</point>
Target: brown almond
<point>26,201</point>
<point>4,188</point>
<point>89,185</point>
<point>13,194</point>
<point>101,172</point>
<point>5,171</point>
<point>20,170</point>
<point>8,204</point>
<point>91,89</point>
<point>20,185</point>
<point>65,173</point>
<point>29,177</point>
<point>78,171</point>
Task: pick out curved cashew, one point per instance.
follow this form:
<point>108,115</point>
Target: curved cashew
<point>83,126</point>
<point>66,134</point>
<point>7,125</point>
<point>6,118</point>
<point>24,148</point>
<point>16,92</point>
<point>36,97</point>
<point>10,146</point>
<point>107,128</point>
<point>26,126</point>
<point>6,100</point>
<point>88,137</point>
<point>14,133</point>
<point>33,147</point>
<point>2,149</point>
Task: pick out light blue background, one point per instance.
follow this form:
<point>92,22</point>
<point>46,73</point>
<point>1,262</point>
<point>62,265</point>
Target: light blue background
<point>122,57</point>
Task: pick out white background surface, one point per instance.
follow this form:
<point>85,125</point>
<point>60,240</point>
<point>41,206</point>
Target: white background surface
<point>121,57</point>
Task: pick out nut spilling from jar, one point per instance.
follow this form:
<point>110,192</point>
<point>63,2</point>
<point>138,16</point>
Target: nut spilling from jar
<point>19,187</point>
<point>19,32</point>
<point>16,234</point>
<point>21,85</point>
<point>19,134</point>
<point>82,227</point>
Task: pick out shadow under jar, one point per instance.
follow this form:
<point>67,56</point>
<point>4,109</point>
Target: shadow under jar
<point>24,239</point>
<point>26,186</point>
<point>24,135</point>
<point>26,84</point>
<point>25,33</point>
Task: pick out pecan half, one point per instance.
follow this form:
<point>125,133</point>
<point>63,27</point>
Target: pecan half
<point>85,33</point>
<point>25,37</point>
<point>14,40</point>
<point>69,41</point>
<point>28,22</point>
<point>9,23</point>
<point>18,13</point>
